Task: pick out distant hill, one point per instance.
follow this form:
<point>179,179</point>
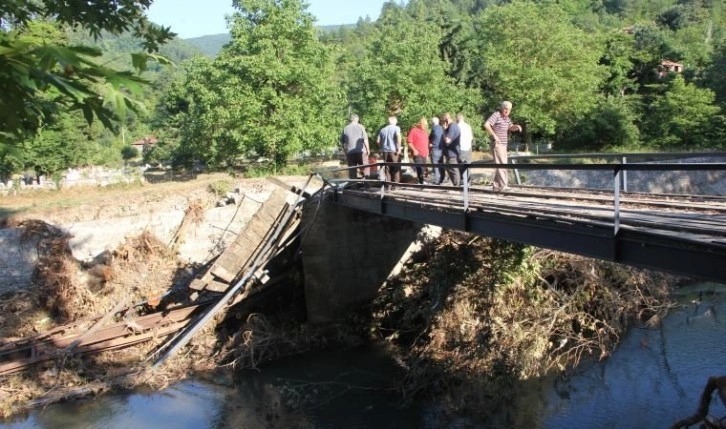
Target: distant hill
<point>211,44</point>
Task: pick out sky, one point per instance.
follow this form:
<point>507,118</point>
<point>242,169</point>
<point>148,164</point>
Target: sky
<point>193,18</point>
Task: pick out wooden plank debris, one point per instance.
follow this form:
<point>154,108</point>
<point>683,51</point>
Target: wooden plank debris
<point>237,255</point>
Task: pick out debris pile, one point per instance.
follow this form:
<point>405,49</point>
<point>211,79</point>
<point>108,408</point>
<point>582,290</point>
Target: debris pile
<point>474,317</point>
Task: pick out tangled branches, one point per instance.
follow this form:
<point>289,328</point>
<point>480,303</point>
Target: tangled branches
<point>480,314</point>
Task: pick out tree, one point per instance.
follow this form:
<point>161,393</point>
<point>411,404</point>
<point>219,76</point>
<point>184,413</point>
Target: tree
<point>129,152</point>
<point>270,93</point>
<point>610,125</point>
<point>617,58</point>
<point>715,77</point>
<point>39,75</point>
<point>402,74</point>
<point>548,68</point>
<point>682,117</point>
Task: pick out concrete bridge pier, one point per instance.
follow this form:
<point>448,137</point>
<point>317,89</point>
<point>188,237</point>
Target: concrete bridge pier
<point>347,255</point>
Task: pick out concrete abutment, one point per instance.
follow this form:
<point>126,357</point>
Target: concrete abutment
<point>347,255</point>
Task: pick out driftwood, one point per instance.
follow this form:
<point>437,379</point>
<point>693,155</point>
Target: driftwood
<point>714,383</point>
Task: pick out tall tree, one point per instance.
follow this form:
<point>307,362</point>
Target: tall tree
<point>618,59</point>
<point>403,74</point>
<point>271,91</point>
<point>549,68</point>
<point>715,77</point>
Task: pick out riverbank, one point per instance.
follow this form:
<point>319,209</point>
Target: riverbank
<point>652,379</point>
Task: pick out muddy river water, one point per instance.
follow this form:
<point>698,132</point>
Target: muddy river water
<point>653,378</point>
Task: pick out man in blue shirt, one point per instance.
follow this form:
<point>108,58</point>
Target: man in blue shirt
<point>452,139</point>
<point>436,143</point>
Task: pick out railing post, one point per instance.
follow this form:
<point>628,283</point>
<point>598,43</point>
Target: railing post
<point>624,175</point>
<point>465,184</point>
<point>616,200</point>
<point>516,172</point>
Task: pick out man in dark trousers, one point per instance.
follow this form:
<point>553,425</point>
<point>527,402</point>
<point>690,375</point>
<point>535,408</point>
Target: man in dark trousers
<point>436,143</point>
<point>389,140</point>
<point>452,139</point>
<point>355,145</point>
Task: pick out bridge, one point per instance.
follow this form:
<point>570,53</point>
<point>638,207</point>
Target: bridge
<point>353,234</point>
<point>674,232</point>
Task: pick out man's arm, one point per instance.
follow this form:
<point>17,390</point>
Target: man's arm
<point>409,140</point>
<point>490,130</point>
<point>453,133</point>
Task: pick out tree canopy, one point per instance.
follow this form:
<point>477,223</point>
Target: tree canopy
<point>270,93</point>
<point>549,68</point>
<point>582,74</point>
<point>41,72</point>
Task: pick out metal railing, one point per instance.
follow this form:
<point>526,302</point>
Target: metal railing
<point>623,164</point>
<point>621,158</point>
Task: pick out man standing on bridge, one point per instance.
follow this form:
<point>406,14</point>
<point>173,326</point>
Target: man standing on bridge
<point>452,139</point>
<point>436,144</point>
<point>389,140</point>
<point>499,125</point>
<point>466,142</point>
<point>418,142</point>
<point>355,145</point>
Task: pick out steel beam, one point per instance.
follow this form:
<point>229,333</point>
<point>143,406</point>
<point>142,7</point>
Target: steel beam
<point>698,259</point>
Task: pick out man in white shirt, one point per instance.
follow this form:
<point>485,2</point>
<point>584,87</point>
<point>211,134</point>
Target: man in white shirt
<point>465,143</point>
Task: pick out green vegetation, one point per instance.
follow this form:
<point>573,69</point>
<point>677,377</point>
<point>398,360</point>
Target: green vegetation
<point>584,76</point>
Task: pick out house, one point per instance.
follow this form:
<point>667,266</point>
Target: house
<point>145,144</point>
<point>667,66</point>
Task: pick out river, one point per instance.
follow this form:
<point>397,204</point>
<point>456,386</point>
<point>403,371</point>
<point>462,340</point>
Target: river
<point>653,378</point>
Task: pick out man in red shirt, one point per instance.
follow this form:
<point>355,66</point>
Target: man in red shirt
<point>418,143</point>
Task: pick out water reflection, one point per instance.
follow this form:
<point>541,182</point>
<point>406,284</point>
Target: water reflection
<point>187,405</point>
<point>654,378</point>
<point>333,389</point>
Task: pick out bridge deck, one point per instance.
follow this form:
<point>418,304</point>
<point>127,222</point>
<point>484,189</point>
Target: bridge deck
<point>678,233</point>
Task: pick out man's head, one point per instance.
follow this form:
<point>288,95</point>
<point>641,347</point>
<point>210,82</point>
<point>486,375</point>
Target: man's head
<point>435,120</point>
<point>447,118</point>
<point>392,120</point>
<point>354,118</point>
<point>460,117</point>
<point>505,108</point>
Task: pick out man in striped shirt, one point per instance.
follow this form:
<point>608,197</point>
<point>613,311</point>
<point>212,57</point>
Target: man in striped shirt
<point>499,125</point>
